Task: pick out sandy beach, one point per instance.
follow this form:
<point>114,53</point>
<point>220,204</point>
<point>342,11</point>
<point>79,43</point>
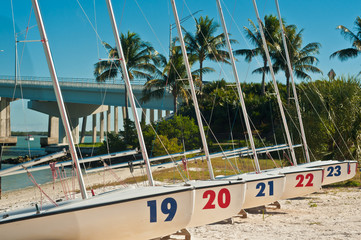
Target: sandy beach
<point>333,213</point>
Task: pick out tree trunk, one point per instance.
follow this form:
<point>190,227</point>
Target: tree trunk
<point>288,87</point>
<point>200,75</point>
<point>263,84</point>
<point>126,103</point>
<point>175,105</point>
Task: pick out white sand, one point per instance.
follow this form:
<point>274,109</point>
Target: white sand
<point>331,214</point>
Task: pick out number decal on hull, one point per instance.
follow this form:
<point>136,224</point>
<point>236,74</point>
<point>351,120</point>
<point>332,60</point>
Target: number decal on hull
<point>212,195</point>
<point>300,179</point>
<point>331,171</point>
<point>262,187</point>
<point>168,207</point>
<point>223,199</point>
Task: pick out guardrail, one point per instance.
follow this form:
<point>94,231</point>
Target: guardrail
<point>73,80</point>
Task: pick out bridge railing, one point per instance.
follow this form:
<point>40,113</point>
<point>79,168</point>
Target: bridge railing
<point>73,80</point>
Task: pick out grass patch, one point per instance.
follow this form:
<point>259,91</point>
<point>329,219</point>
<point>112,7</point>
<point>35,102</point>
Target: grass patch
<point>95,145</point>
<point>312,204</point>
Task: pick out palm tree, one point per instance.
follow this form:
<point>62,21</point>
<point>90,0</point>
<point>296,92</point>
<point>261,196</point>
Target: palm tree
<point>204,44</point>
<point>173,78</point>
<point>271,30</point>
<point>141,59</point>
<point>301,59</point>
<point>355,38</point>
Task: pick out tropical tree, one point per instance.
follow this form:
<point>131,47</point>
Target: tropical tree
<point>271,32</point>
<point>355,38</point>
<point>331,111</point>
<point>173,78</point>
<point>204,44</point>
<point>182,129</point>
<point>141,59</point>
<point>301,58</point>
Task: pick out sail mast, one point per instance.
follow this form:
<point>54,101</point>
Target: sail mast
<point>130,92</point>
<point>303,135</point>
<point>194,97</point>
<point>59,97</point>
<point>239,88</point>
<point>275,86</point>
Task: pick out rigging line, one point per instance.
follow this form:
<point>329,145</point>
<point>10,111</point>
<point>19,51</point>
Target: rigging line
<point>333,122</point>
<point>163,47</point>
<point>156,36</point>
<point>160,45</point>
<point>17,67</point>
<point>273,127</point>
<point>26,35</point>
<point>87,17</point>
<point>161,142</point>
<point>122,14</point>
<point>324,124</point>
<point>231,131</point>
<point>247,43</point>
<point>96,27</point>
<point>213,105</point>
<point>215,57</point>
<point>222,150</point>
<point>282,55</point>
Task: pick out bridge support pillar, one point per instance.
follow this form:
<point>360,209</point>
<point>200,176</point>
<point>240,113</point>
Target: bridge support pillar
<point>101,127</point>
<point>5,128</point>
<point>53,132</point>
<point>83,129</point>
<point>151,115</point>
<point>124,112</point>
<point>74,131</point>
<point>116,119</point>
<point>144,113</point>
<point>160,112</point>
<point>108,120</point>
<point>75,111</point>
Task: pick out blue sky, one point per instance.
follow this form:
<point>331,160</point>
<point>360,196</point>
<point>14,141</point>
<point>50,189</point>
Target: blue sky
<point>75,47</point>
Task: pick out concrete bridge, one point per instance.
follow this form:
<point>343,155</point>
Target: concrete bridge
<point>83,97</point>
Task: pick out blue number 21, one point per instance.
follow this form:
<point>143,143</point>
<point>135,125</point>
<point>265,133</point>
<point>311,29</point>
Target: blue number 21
<point>168,206</point>
<point>262,187</point>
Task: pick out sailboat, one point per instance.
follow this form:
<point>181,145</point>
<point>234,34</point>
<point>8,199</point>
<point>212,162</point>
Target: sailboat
<point>132,213</point>
<point>334,170</point>
<point>262,188</point>
<point>300,181</point>
<point>264,191</point>
<point>215,200</point>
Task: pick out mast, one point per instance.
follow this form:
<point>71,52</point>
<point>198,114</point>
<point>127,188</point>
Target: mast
<point>275,86</point>
<point>239,88</point>
<point>130,92</point>
<point>303,135</point>
<point>194,97</point>
<point>59,97</point>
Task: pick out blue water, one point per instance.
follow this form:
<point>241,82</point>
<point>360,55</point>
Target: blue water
<point>30,148</point>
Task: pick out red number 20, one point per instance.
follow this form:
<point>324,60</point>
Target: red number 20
<point>224,198</point>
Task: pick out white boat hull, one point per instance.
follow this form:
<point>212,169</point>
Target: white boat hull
<point>301,181</point>
<point>216,200</point>
<point>335,171</point>
<point>261,188</point>
<point>142,213</point>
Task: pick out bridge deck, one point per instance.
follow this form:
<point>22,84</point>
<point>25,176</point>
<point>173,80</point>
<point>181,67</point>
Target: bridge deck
<point>79,90</point>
